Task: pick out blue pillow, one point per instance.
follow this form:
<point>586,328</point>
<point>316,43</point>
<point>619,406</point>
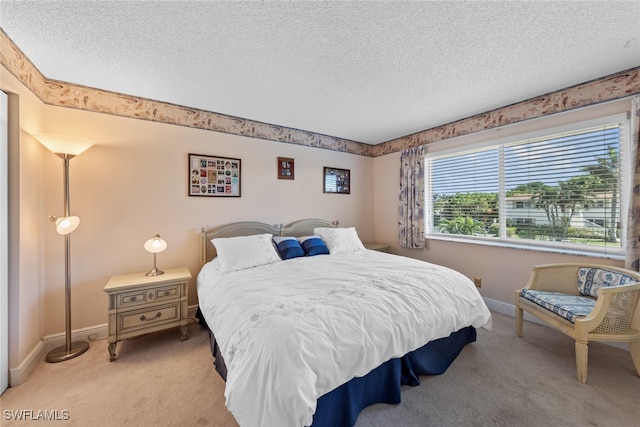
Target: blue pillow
<point>313,245</point>
<point>288,247</point>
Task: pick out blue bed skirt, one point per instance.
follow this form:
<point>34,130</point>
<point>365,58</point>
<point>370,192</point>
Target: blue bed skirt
<point>341,406</point>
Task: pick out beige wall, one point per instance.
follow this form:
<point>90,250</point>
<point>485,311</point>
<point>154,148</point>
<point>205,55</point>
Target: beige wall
<point>133,184</point>
<point>502,270</point>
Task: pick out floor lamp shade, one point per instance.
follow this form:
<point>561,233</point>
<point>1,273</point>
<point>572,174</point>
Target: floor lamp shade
<point>63,144</point>
<point>66,147</point>
<point>65,225</point>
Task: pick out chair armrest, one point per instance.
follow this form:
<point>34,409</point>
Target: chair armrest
<point>629,287</point>
<point>613,313</point>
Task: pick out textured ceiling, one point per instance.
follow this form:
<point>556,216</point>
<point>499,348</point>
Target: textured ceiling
<point>364,71</point>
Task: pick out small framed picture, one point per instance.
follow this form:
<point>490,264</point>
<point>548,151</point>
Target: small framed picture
<point>214,176</point>
<point>336,180</point>
<point>285,168</point>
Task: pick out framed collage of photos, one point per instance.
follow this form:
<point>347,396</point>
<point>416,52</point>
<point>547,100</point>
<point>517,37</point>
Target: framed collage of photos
<point>336,180</point>
<point>214,176</point>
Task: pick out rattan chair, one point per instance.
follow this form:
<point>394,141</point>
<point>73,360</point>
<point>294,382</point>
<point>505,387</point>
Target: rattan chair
<point>615,316</point>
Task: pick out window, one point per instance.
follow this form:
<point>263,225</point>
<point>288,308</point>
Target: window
<point>562,189</point>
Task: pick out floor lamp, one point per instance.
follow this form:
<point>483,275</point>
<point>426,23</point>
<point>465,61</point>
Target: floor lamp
<point>66,147</point>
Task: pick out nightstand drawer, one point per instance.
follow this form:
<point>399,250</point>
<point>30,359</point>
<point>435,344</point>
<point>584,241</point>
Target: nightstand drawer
<point>142,296</point>
<point>151,316</point>
<point>168,292</point>
<point>131,298</point>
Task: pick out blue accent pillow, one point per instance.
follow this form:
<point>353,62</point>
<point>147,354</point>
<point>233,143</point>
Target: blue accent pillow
<point>313,245</point>
<point>288,247</point>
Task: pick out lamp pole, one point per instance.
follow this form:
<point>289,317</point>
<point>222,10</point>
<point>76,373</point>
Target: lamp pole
<point>70,349</point>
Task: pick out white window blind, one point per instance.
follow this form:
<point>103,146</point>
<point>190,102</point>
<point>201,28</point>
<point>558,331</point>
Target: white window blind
<point>563,189</point>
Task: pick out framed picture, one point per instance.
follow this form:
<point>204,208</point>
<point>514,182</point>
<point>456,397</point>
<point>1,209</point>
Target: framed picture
<point>336,180</point>
<point>214,176</point>
<point>285,168</point>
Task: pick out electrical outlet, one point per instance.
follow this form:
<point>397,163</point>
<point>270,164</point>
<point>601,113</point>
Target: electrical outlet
<point>477,281</point>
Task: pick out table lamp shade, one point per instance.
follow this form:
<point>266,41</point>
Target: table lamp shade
<point>155,244</point>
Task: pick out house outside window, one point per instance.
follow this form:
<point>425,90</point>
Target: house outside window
<point>522,204</point>
<point>563,189</point>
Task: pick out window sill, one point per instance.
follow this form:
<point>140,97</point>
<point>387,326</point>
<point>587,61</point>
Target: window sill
<point>613,254</point>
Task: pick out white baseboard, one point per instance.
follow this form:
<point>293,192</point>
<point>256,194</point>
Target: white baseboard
<point>510,310</point>
<point>92,333</point>
<point>19,375</point>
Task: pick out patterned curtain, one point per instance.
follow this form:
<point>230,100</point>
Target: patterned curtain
<point>411,209</point>
<point>632,260</point>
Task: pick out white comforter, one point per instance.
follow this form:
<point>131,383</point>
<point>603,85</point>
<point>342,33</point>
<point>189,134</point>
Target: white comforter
<point>294,330</point>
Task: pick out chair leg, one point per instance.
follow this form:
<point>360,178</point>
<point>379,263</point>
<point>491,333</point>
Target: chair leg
<point>582,357</point>
<point>634,348</point>
<point>519,315</point>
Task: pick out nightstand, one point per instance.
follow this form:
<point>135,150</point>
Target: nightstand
<point>140,304</point>
<point>381,247</point>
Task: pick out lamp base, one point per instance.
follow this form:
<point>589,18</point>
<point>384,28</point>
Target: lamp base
<point>60,354</point>
<point>154,272</point>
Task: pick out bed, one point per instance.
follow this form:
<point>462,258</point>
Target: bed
<point>314,339</point>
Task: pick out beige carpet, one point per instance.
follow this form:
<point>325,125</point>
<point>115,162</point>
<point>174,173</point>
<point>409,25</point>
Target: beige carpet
<point>500,380</point>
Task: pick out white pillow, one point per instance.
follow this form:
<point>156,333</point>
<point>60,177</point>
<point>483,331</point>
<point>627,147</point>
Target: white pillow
<point>238,253</point>
<point>340,240</point>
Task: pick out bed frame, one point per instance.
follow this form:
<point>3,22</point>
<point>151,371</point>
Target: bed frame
<point>341,406</point>
<point>303,227</point>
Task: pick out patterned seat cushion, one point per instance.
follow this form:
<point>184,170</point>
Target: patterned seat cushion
<point>565,305</point>
<point>591,279</point>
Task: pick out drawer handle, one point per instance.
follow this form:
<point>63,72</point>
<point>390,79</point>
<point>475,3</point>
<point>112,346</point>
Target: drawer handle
<point>167,293</point>
<point>143,318</point>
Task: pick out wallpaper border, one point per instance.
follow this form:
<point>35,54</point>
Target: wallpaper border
<point>63,94</point>
<point>615,86</point>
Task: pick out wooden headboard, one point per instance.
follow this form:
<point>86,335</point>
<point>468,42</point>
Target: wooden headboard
<point>303,227</point>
